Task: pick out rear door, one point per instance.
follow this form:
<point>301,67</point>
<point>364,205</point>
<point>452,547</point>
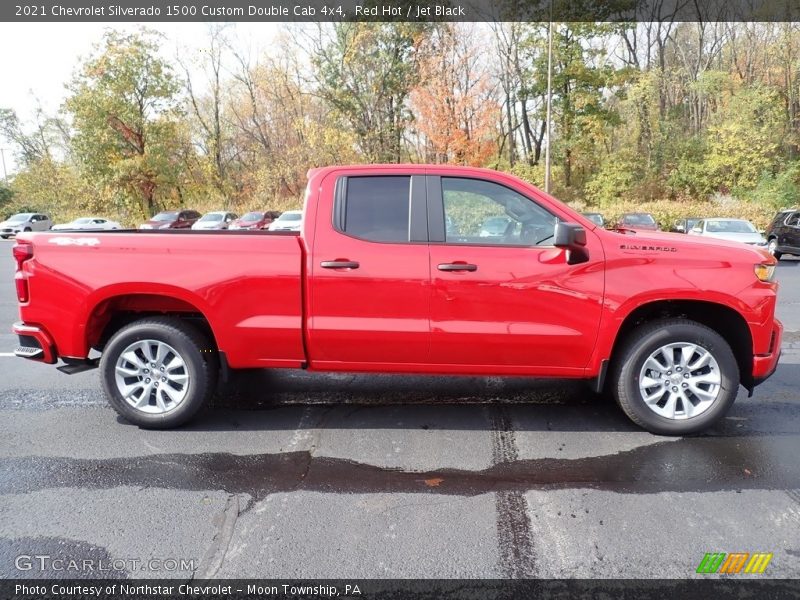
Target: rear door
<point>507,301</point>
<point>369,277</point>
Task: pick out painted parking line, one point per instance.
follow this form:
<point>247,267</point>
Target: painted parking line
<point>7,354</point>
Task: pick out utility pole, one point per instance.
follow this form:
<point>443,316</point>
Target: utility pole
<point>3,157</point>
<point>549,100</point>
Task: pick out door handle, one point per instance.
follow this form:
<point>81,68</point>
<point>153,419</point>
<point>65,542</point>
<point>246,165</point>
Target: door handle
<point>339,264</point>
<point>457,266</point>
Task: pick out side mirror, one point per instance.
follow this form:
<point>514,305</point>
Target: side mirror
<point>571,237</point>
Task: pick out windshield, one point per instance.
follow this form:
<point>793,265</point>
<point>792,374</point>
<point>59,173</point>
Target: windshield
<point>253,216</point>
<point>20,217</point>
<point>639,219</point>
<point>594,218</point>
<point>730,227</point>
<point>166,216</point>
<point>290,217</point>
<point>212,217</point>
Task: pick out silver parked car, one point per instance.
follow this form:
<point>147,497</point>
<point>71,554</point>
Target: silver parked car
<point>734,230</point>
<point>24,222</point>
<point>88,224</point>
<point>215,220</point>
<point>291,220</point>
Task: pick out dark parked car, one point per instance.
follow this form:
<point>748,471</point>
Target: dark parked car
<point>783,234</point>
<point>637,221</point>
<point>255,220</point>
<point>596,218</point>
<point>172,219</point>
<point>684,225</point>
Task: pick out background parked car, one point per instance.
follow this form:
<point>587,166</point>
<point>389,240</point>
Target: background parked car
<point>255,220</point>
<point>88,223</point>
<point>172,219</point>
<point>684,225</point>
<point>643,221</point>
<point>596,218</point>
<point>24,222</point>
<point>783,234</point>
<point>734,230</point>
<point>291,220</point>
<point>219,219</point>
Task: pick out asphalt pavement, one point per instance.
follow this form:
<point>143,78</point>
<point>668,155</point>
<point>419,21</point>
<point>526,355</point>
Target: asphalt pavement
<point>352,476</point>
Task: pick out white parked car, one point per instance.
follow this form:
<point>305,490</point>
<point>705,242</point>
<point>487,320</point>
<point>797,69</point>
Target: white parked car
<point>89,223</point>
<point>219,219</point>
<point>734,230</point>
<point>291,220</point>
<point>24,222</point>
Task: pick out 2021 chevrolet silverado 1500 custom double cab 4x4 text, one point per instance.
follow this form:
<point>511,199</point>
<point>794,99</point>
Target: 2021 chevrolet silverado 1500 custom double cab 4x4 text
<point>390,273</point>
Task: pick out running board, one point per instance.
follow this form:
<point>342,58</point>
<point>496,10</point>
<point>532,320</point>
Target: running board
<point>78,366</point>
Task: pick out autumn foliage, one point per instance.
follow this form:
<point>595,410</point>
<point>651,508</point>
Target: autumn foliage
<point>455,112</point>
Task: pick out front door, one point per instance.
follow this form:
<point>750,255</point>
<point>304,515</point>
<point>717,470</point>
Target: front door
<point>504,298</point>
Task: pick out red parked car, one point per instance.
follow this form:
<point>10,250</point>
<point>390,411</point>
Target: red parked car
<point>172,219</point>
<point>255,220</point>
<point>376,281</point>
<point>637,222</point>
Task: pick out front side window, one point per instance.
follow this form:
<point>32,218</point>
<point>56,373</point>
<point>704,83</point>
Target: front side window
<point>481,212</point>
<point>378,208</point>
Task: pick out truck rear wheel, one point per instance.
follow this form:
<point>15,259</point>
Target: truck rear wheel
<point>156,373</point>
<point>675,377</point>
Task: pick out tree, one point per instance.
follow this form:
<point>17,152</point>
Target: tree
<point>454,105</point>
<point>125,107</point>
<point>366,71</point>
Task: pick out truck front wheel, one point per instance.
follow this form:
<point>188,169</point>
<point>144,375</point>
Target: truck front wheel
<point>675,376</point>
<point>155,372</point>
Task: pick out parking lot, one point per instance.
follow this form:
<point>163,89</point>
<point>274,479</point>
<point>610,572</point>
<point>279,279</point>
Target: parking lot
<point>293,474</point>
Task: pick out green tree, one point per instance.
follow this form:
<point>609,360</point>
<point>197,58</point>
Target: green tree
<point>125,107</point>
<point>746,138</point>
<point>366,71</point>
<point>581,78</point>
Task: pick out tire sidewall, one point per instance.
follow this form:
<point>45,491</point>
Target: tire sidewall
<point>677,333</point>
<point>183,345</point>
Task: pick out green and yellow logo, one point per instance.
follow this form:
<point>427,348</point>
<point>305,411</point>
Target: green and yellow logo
<point>736,562</point>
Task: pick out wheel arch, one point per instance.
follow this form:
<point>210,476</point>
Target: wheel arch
<point>723,319</point>
<point>112,312</point>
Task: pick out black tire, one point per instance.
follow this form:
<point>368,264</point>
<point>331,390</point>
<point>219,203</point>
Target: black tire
<point>5,237</point>
<point>199,356</point>
<point>27,229</point>
<point>645,340</point>
<point>770,246</point>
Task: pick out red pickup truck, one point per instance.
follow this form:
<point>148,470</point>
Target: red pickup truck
<point>407,269</point>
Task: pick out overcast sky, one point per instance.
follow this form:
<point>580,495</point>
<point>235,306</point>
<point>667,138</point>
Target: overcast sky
<point>38,58</point>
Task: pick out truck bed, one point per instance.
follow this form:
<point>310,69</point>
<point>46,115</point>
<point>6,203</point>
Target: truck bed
<point>247,284</point>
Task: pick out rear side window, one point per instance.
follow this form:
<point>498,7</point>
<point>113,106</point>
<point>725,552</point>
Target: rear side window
<point>793,220</point>
<point>377,208</point>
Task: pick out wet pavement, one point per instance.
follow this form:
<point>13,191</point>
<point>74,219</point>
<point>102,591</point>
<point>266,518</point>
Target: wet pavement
<point>298,475</point>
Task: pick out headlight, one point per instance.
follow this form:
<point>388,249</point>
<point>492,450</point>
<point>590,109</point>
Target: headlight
<point>765,271</point>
